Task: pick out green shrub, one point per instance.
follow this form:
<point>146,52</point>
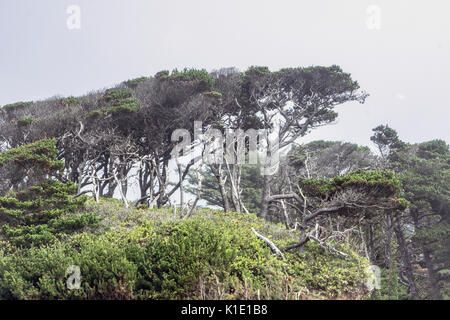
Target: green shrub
<point>17,106</point>
<point>43,213</point>
<point>385,182</point>
<point>70,100</point>
<point>133,83</point>
<point>25,121</point>
<point>40,273</point>
<point>211,255</point>
<point>200,78</point>
<point>118,94</point>
<point>323,272</point>
<point>42,153</point>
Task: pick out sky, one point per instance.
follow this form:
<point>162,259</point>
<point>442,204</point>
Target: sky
<point>398,50</point>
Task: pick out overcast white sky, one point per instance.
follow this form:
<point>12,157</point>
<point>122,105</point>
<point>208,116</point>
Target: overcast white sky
<point>405,65</point>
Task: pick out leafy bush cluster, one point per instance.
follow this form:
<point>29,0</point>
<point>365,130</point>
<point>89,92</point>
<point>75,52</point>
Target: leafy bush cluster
<point>386,182</point>
<point>117,94</point>
<point>213,255</point>
<point>119,100</point>
<point>17,106</point>
<point>133,83</point>
<point>42,153</point>
<point>42,214</point>
<point>204,81</point>
<point>70,100</point>
<point>25,121</point>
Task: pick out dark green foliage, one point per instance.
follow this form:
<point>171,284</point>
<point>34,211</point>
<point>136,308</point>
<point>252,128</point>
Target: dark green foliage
<point>17,106</point>
<point>164,74</point>
<point>25,121</point>
<point>133,83</point>
<point>384,183</point>
<point>391,287</point>
<point>257,71</point>
<point>386,139</point>
<point>119,102</point>
<point>117,94</point>
<point>192,75</point>
<point>42,154</point>
<point>434,149</point>
<point>29,165</point>
<point>42,213</point>
<point>425,172</point>
<point>213,255</point>
<point>70,100</point>
<point>123,106</point>
<point>321,80</point>
<point>200,78</point>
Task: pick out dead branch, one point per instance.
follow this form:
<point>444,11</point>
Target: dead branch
<point>327,246</point>
<point>270,243</point>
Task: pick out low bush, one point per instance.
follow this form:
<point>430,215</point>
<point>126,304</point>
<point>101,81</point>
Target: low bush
<point>212,255</point>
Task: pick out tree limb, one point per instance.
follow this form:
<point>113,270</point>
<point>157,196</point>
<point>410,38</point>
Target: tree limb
<point>270,243</point>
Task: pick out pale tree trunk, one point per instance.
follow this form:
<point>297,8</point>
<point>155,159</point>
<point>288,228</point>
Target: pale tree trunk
<point>119,185</point>
<point>199,192</point>
<point>234,182</point>
<point>180,175</point>
<point>95,184</point>
<point>217,171</point>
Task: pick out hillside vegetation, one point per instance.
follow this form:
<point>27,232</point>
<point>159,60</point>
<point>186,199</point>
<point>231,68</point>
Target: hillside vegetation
<point>140,254</point>
<point>302,220</point>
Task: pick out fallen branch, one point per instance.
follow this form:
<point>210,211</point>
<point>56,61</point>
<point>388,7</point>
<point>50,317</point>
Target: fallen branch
<point>81,193</point>
<point>270,243</point>
<point>327,246</point>
<point>296,245</point>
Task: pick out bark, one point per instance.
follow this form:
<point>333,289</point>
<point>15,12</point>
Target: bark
<point>180,176</point>
<point>223,193</point>
<point>270,244</point>
<point>199,192</point>
<point>389,250</point>
<point>406,259</point>
<point>265,198</point>
<point>119,184</point>
<point>432,276</point>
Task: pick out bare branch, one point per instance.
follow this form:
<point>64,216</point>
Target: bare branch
<point>270,243</point>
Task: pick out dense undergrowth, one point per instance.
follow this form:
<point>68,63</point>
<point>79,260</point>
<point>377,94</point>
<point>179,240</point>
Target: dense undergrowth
<point>154,254</point>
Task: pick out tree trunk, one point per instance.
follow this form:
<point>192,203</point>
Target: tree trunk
<point>389,258</point>
<point>265,198</point>
<point>406,259</point>
<point>223,193</point>
<point>432,276</point>
<point>180,177</point>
